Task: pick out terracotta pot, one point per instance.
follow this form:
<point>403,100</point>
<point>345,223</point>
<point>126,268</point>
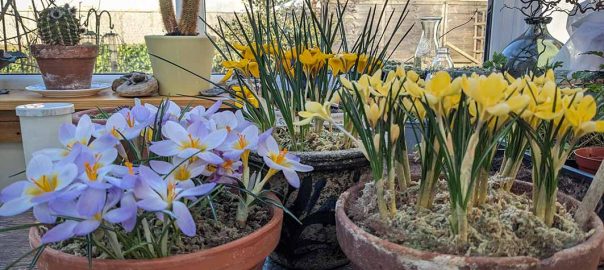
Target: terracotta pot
<point>245,253</point>
<point>313,244</point>
<point>367,251</point>
<point>75,118</point>
<point>589,158</point>
<point>66,67</point>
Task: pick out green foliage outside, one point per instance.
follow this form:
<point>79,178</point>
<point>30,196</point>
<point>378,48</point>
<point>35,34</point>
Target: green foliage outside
<point>130,57</point>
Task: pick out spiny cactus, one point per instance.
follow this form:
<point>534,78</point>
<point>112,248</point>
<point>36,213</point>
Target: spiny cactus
<point>187,25</point>
<point>59,26</point>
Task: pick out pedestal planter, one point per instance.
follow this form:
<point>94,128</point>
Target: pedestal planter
<point>589,158</point>
<point>66,67</point>
<point>193,53</point>
<point>245,253</point>
<point>367,251</point>
<point>313,244</point>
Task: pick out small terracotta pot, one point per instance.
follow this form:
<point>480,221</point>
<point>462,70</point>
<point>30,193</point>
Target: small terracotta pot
<point>367,251</point>
<point>245,253</point>
<point>66,67</point>
<point>589,158</point>
<point>76,116</point>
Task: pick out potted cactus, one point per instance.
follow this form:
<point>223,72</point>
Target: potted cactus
<point>182,46</point>
<point>64,64</point>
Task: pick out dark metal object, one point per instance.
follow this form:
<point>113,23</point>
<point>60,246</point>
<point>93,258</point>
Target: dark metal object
<point>97,22</point>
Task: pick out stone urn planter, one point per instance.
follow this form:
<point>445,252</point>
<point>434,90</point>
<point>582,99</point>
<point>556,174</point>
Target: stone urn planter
<point>589,158</point>
<point>367,251</point>
<point>313,244</point>
<point>245,253</point>
<point>65,67</point>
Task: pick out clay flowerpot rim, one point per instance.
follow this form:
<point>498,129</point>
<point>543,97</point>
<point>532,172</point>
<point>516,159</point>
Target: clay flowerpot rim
<point>91,112</point>
<point>274,223</point>
<point>433,259</point>
<point>580,150</point>
<point>201,35</point>
<point>45,51</point>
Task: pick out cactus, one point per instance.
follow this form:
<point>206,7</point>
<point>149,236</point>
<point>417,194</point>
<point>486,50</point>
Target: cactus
<point>59,26</point>
<point>187,25</point>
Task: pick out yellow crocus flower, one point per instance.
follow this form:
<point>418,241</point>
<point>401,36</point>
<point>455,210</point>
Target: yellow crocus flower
<point>314,110</point>
<point>342,63</point>
<point>580,114</point>
<point>243,94</point>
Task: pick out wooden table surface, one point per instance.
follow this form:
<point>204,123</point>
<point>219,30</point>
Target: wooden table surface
<point>9,122</point>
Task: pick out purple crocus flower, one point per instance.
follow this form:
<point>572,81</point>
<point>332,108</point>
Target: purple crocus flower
<point>44,182</point>
<point>184,143</point>
<point>199,113</point>
<point>71,135</point>
<point>95,166</point>
<point>181,171</point>
<point>280,160</point>
<point>90,210</point>
<point>158,195</point>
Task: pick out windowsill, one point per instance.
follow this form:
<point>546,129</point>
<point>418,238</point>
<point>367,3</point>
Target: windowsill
<point>20,81</point>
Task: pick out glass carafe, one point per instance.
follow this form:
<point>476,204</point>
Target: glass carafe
<point>428,43</point>
<point>533,49</point>
<point>442,60</point>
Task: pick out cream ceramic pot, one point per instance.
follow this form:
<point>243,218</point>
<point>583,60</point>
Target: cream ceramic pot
<point>193,53</point>
<point>40,123</point>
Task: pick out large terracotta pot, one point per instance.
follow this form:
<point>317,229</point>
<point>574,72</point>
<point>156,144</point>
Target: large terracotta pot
<point>76,116</point>
<point>66,67</point>
<point>367,251</point>
<point>313,244</point>
<point>589,158</point>
<point>245,253</point>
<point>194,53</point>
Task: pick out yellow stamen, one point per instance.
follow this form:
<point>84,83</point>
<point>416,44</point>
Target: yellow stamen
<point>130,120</point>
<point>91,170</point>
<point>130,167</point>
<point>43,185</point>
<point>182,173</point>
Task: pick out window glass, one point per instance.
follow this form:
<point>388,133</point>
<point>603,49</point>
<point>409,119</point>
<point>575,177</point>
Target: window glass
<point>122,47</point>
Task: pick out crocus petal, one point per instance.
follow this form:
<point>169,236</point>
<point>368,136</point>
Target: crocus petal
<point>152,204</point>
<point>38,166</point>
<point>67,174</point>
<point>161,167</point>
<point>149,177</point>
<point>117,215</point>
<point>83,131</point>
<point>174,132</point>
<point>197,191</point>
<point>67,133</point>
<point>53,153</point>
<point>184,220</point>
<point>43,214</point>
<point>85,227</point>
<point>15,207</point>
<point>165,148</point>
<point>300,167</point>
<point>91,202</point>
<point>60,232</point>
<point>292,178</point>
<point>210,157</point>
<point>215,138</point>
<point>13,191</point>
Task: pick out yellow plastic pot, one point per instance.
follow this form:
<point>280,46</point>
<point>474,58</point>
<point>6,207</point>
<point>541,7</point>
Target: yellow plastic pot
<point>194,53</point>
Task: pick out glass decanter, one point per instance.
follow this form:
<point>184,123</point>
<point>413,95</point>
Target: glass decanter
<point>428,43</point>
<point>442,60</point>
